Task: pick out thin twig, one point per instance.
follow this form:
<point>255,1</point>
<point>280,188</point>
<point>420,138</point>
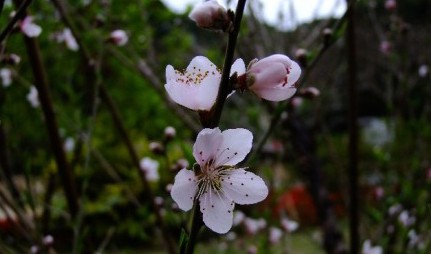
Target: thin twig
<point>44,94</point>
<point>353,131</point>
<point>106,98</point>
<point>20,13</point>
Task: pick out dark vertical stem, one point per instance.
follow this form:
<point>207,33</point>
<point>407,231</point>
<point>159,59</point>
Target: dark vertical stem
<point>135,159</point>
<point>20,13</point>
<point>195,227</point>
<point>225,87</point>
<point>5,165</point>
<point>353,132</point>
<point>41,84</point>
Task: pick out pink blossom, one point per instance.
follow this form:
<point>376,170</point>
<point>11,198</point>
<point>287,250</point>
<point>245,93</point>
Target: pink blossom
<point>385,47</point>
<point>218,184</point>
<point>275,235</point>
<point>210,15</point>
<point>119,37</point>
<point>29,28</point>
<point>6,76</point>
<point>390,5</point>
<point>273,78</point>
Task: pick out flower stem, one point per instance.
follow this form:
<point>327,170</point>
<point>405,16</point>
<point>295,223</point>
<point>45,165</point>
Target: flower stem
<point>225,88</point>
<point>195,227</point>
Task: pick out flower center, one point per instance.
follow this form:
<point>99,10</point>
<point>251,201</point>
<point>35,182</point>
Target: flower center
<point>210,177</point>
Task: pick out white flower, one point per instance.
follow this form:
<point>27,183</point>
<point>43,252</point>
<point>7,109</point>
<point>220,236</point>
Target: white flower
<point>406,218</point>
<point>151,169</point>
<point>289,225</point>
<point>275,235</point>
<point>6,76</point>
<point>197,87</point>
<point>29,28</point>
<point>218,184</point>
<point>48,240</point>
<point>33,97</point>
<point>254,225</point>
<point>69,144</point>
<point>67,37</point>
<point>423,70</point>
<point>368,249</point>
<point>119,37</point>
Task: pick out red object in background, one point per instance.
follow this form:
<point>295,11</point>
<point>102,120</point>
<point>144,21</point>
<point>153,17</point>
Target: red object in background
<point>6,225</point>
<point>298,204</point>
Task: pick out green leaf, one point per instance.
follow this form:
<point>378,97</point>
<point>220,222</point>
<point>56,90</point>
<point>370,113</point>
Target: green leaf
<point>184,238</point>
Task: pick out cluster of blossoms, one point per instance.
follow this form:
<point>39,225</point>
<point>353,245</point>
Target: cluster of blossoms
<point>215,183</point>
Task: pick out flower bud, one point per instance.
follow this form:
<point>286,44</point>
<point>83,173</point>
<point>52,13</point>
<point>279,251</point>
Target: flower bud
<point>210,15</point>
<point>390,5</point>
<point>6,76</point>
<point>48,240</point>
<point>156,148</point>
<point>385,47</point>
<point>119,37</point>
<point>11,59</point>
<point>301,55</point>
<point>170,133</point>
<point>309,92</point>
<point>273,78</point>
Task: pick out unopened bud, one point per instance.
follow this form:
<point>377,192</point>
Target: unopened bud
<point>391,5</point>
<point>158,200</point>
<point>170,132</point>
<point>210,15</point>
<point>385,47</point>
<point>119,37</point>
<point>34,249</point>
<point>156,148</point>
<point>309,92</point>
<point>48,240</point>
<point>12,59</point>
<point>301,55</point>
<point>327,36</point>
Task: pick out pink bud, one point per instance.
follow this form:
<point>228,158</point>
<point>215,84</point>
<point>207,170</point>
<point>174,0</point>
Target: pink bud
<point>29,28</point>
<point>385,47</point>
<point>273,78</point>
<point>210,15</point>
<point>119,37</point>
<point>390,5</point>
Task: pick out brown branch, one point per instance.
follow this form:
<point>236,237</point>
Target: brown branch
<point>115,114</point>
<point>20,13</point>
<point>41,84</point>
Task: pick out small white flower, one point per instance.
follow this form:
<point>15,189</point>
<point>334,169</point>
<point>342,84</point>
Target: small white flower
<point>29,28</point>
<point>406,218</point>
<point>69,144</point>
<point>423,70</point>
<point>368,249</point>
<point>151,169</point>
<point>218,184</point>
<point>197,87</point>
<point>33,97</point>
<point>6,76</point>
<point>34,249</point>
<point>170,132</point>
<point>275,235</point>
<point>119,37</point>
<point>289,225</point>
<point>253,226</point>
<point>48,240</point>
<point>67,37</point>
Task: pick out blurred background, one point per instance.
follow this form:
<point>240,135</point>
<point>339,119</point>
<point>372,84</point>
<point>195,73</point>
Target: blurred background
<point>107,109</point>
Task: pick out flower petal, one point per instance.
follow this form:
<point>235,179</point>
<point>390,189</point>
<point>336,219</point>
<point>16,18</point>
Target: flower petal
<point>184,189</point>
<point>238,66</point>
<point>271,76</point>
<point>278,93</point>
<point>244,187</point>
<point>206,145</point>
<point>217,211</point>
<point>207,92</point>
<point>294,74</point>
<point>179,92</point>
<point>235,146</point>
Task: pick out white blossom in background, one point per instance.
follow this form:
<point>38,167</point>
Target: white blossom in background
<point>151,169</point>
<point>216,183</point>
<point>67,37</point>
<point>272,78</point>
<point>6,76</point>
<point>238,218</point>
<point>69,144</point>
<point>253,226</point>
<point>119,37</point>
<point>210,15</point>
<point>406,218</point>
<point>33,97</point>
<point>394,209</point>
<point>368,249</point>
<point>48,240</point>
<point>275,235</point>
<point>29,28</point>
<point>197,87</point>
<point>34,249</point>
<point>289,225</point>
<point>170,132</point>
<point>423,70</point>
